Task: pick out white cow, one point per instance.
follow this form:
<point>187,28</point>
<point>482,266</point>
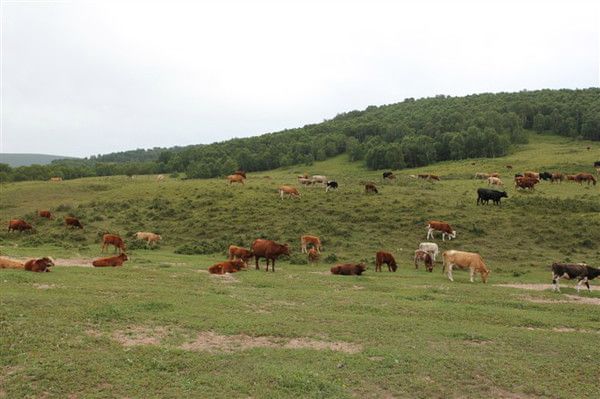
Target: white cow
<point>431,248</point>
<point>319,179</point>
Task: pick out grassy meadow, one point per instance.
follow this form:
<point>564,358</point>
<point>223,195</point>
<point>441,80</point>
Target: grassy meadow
<point>161,326</point>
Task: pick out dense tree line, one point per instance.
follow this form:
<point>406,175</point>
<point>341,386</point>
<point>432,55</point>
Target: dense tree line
<point>407,134</point>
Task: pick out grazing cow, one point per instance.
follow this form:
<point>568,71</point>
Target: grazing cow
<point>313,256</point>
<point>270,250</point>
<point>150,238</point>
<point>319,179</point>
<point>19,225</point>
<point>495,174</point>
<point>482,176</point>
<point>306,182</point>
<point>424,257</point>
<point>56,178</point>
<point>45,214</point>
<point>235,252</point>
<point>588,177</point>
<point>534,175</point>
<point>240,172</point>
<point>230,266</point>
<point>349,269</point>
<point>235,179</point>
<point>111,261</point>
<point>304,176</point>
<point>39,265</point>
<point>428,177</point>
<point>485,195</point>
<point>289,191</point>
<point>494,181</point>
<point>370,188</point>
<point>312,240</point>
<point>382,257</point>
<point>431,248</point>
<point>545,176</point>
<point>160,178</point>
<point>73,222</point>
<point>331,185</point>
<point>570,177</point>
<point>525,182</point>
<point>443,227</point>
<point>465,260</point>
<point>113,239</point>
<point>557,177</point>
<point>7,263</point>
<point>580,271</point>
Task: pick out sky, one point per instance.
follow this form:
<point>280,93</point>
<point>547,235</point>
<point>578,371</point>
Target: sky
<point>80,78</point>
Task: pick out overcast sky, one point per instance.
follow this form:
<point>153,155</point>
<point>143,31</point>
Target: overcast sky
<point>82,78</point>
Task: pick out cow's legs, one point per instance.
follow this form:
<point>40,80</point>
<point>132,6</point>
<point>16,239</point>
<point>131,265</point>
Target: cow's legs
<point>555,279</point>
<point>450,272</point>
<point>430,233</point>
<point>256,257</point>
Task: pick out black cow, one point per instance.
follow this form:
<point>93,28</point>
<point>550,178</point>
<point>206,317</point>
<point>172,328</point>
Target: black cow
<point>331,185</point>
<point>597,164</point>
<point>580,271</point>
<point>545,176</point>
<point>388,175</point>
<point>485,195</point>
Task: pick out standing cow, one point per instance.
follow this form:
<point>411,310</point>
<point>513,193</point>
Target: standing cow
<point>115,240</point>
<point>465,260</point>
<point>306,240</point>
<point>18,225</point>
<point>270,250</point>
<point>382,257</point>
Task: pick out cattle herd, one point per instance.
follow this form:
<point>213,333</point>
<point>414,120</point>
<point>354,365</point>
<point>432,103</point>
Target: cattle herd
<point>238,257</point>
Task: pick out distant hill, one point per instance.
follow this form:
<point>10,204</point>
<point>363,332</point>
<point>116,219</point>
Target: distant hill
<point>15,160</point>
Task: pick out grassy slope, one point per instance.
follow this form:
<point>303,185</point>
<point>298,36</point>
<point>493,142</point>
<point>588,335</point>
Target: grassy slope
<point>422,336</point>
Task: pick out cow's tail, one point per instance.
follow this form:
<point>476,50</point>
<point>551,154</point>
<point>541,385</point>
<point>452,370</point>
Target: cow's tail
<point>444,263</point>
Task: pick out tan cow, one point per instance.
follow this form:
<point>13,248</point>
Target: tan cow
<point>160,178</point>
<point>463,260</point>
<point>494,181</point>
<point>235,179</point>
<point>150,238</point>
<point>7,263</point>
<point>314,240</point>
<point>289,191</point>
<point>482,176</point>
<point>56,178</point>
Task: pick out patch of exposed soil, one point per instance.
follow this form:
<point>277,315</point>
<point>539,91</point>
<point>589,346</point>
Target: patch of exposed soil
<point>79,262</point>
<point>138,335</point>
<point>535,287</point>
<point>563,330</point>
<point>44,286</point>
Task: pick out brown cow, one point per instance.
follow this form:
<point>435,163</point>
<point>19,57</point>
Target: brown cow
<point>7,263</point>
<point>313,256</point>
<point>45,214</point>
<point>112,239</point>
<point>73,222</point>
<point>39,265</point>
<point>268,249</point>
<point>464,260</point>
<point>313,240</point>
<point>557,177</point>
<point>526,182</point>
<point>570,177</point>
<point>534,175</point>
<point>428,176</point>
<point>382,257</point>
<point>240,172</point>
<point>235,179</point>
<point>235,252</point>
<point>230,266</point>
<point>587,177</point>
<point>443,227</point>
<point>289,191</point>
<point>349,269</point>
<point>19,225</point>
<point>370,188</point>
<point>111,261</point>
<point>424,257</point>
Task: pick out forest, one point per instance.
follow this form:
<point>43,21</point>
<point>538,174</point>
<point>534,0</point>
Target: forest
<point>412,133</point>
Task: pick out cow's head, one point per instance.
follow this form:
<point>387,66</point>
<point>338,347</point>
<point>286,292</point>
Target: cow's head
<point>361,267</point>
<point>124,256</point>
<point>285,249</point>
<point>503,194</point>
<point>484,275</point>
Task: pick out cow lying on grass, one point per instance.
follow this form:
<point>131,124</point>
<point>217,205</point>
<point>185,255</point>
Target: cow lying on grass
<point>349,269</point>
<point>32,265</point>
<point>579,271</point>
<point>230,266</point>
<point>111,261</point>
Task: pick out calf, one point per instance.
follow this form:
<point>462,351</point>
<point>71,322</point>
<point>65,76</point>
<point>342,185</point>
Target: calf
<point>305,240</point>
<point>150,238</point>
<point>382,257</point>
<point>73,222</point>
<point>525,182</point>
<point>431,248</point>
<point>494,181</point>
<point>349,269</point>
<point>306,182</point>
<point>580,271</point>
<point>465,260</point>
<point>235,179</point>
<point>331,185</point>
<point>313,256</point>
<point>235,252</point>
<point>424,257</point>
<point>111,261</point>
<point>443,227</point>
<point>289,191</point>
<point>230,266</point>
<point>45,214</point>
<point>485,195</point>
<point>18,225</point>
<point>39,265</point>
<point>370,188</point>
<point>115,240</point>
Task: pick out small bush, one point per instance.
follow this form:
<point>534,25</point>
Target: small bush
<point>298,259</point>
<point>331,258</point>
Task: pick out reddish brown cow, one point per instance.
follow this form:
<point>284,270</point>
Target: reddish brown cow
<point>270,250</point>
<point>39,265</point>
<point>240,172</point>
<point>534,175</point>
<point>111,261</point>
<point>236,252</point>
<point>570,177</point>
<point>424,257</point>
<point>349,269</point>
<point>230,266</point>
<point>382,257</point>
<point>313,256</point>
<point>235,179</point>
<point>289,191</point>
<point>112,239</point>
<point>73,222</point>
<point>557,177</point>
<point>524,182</point>
<point>443,227</point>
<point>370,188</point>
<point>19,225</point>
<point>45,214</point>
<point>587,177</point>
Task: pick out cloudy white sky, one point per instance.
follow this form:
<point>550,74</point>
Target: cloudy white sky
<point>82,78</point>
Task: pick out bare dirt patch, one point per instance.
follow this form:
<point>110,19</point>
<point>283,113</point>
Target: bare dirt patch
<point>534,287</point>
<point>563,330</point>
<point>73,262</point>
<point>44,286</point>
<point>321,273</point>
<point>226,278</point>
<point>211,342</point>
<point>138,335</point>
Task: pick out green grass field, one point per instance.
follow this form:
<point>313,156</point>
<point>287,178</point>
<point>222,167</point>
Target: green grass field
<point>161,326</point>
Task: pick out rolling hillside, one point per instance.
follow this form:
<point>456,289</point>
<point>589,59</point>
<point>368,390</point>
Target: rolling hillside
<point>16,160</point>
<point>161,326</point>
